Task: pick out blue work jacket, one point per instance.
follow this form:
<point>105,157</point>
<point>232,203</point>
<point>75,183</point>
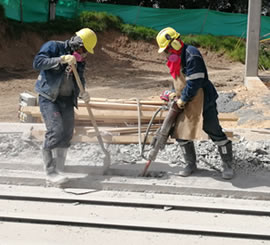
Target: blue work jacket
<point>193,66</point>
<point>52,72</point>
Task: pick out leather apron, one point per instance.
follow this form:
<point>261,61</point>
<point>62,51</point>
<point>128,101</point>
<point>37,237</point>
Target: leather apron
<point>189,123</point>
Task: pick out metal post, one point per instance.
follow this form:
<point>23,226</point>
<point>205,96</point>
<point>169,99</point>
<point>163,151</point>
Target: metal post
<point>52,7</point>
<point>21,11</point>
<point>204,21</point>
<point>253,38</point>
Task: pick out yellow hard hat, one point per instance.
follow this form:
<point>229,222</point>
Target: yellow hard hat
<point>165,36</point>
<point>89,39</point>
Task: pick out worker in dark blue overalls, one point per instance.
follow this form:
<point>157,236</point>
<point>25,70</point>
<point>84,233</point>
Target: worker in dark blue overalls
<point>187,60</point>
<point>58,94</point>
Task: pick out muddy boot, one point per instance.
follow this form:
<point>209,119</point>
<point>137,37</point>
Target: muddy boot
<point>225,152</point>
<point>60,154</point>
<point>56,178</point>
<point>49,164</point>
<point>189,154</point>
<point>52,175</point>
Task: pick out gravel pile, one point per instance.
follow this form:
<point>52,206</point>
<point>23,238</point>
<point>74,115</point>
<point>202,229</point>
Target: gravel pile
<point>250,157</point>
<point>225,103</point>
<point>13,145</point>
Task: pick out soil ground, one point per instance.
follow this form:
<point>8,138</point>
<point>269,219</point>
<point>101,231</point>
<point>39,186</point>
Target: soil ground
<point>120,68</point>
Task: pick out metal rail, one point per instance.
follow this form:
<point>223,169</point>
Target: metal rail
<point>139,205</point>
<point>121,225</point>
<point>144,228</point>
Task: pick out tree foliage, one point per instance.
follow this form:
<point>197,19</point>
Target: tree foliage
<point>231,6</point>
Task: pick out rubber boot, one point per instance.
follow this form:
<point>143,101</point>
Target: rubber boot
<point>60,155</point>
<point>49,164</point>
<point>52,175</point>
<point>225,152</point>
<point>189,154</point>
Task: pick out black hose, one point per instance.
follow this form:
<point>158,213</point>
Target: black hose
<point>149,127</point>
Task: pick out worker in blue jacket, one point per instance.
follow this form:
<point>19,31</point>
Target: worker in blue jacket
<point>58,93</point>
<point>194,92</point>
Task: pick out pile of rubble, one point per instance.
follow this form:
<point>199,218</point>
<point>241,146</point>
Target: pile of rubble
<point>250,156</point>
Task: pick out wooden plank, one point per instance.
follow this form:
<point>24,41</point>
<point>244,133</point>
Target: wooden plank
<point>111,130</point>
<point>118,106</point>
<point>107,138</point>
<point>105,131</point>
<point>112,139</point>
<point>228,117</point>
<point>110,123</point>
<point>261,131</point>
<point>229,134</point>
<point>115,116</point>
<point>114,131</point>
<point>128,101</point>
<point>82,114</point>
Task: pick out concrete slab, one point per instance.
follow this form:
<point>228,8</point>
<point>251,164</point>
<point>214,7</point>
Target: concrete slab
<point>125,176</point>
<point>255,84</point>
<point>81,195</point>
<point>202,183</point>
<point>19,127</point>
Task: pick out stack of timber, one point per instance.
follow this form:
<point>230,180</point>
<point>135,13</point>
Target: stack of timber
<point>106,113</point>
<point>119,121</point>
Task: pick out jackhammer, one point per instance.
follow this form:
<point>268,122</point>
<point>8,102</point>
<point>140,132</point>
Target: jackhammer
<point>162,134</point>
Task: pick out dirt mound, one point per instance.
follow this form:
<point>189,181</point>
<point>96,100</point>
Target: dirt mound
<point>116,58</point>
<point>137,70</point>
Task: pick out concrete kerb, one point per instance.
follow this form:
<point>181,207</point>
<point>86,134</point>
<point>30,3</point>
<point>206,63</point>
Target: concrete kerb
<point>202,183</point>
<point>256,84</point>
<point>125,177</point>
<point>24,128</point>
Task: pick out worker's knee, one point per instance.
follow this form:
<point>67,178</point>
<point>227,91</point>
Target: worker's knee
<point>54,137</point>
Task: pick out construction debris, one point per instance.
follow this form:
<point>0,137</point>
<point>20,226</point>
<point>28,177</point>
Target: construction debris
<point>250,156</point>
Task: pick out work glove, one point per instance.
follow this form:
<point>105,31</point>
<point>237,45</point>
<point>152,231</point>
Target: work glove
<point>85,96</point>
<point>172,95</point>
<point>167,95</point>
<point>180,103</point>
<point>68,59</point>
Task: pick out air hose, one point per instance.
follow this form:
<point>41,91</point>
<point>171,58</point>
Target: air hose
<point>164,107</point>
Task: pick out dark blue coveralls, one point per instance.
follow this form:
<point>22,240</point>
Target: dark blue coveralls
<point>57,108</point>
<point>194,68</point>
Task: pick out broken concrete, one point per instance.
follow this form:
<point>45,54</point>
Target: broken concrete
<point>21,164</point>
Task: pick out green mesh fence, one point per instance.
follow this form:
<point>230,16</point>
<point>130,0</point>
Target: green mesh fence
<point>67,8</point>
<point>27,11</point>
<point>189,21</point>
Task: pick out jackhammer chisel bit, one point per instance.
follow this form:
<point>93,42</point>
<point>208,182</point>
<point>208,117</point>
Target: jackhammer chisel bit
<point>160,139</point>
